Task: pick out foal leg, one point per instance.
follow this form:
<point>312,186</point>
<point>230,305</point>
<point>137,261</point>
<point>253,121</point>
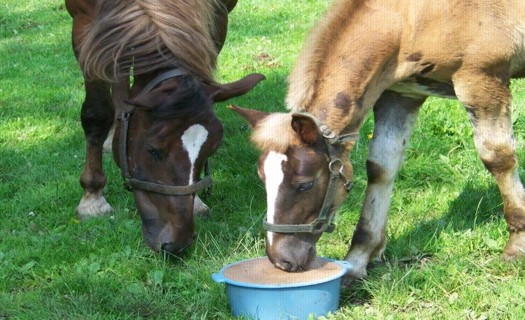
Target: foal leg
<point>97,117</point>
<point>395,117</point>
<point>488,102</point>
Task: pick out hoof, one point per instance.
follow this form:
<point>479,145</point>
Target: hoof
<point>354,274</point>
<point>351,278</point>
<point>200,209</point>
<point>91,206</point>
<point>515,248</point>
<point>359,262</point>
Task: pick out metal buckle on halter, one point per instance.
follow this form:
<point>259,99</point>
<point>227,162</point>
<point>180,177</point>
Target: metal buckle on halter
<point>126,114</point>
<point>348,184</point>
<point>328,134</point>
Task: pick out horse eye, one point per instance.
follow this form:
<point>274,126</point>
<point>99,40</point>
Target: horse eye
<point>305,186</point>
<point>156,154</point>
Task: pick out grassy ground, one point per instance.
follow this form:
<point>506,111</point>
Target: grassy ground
<point>446,230</point>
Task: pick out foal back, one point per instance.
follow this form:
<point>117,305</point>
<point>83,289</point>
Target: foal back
<point>443,36</point>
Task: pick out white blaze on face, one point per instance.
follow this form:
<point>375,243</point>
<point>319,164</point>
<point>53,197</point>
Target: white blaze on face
<point>192,141</point>
<point>274,177</point>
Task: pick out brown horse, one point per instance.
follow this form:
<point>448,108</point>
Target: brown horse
<point>385,56</point>
<point>167,128</point>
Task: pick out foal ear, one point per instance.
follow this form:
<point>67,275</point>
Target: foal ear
<point>305,127</point>
<point>252,116</point>
<point>226,91</point>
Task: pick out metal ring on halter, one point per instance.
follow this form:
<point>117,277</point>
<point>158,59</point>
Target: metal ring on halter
<point>336,161</point>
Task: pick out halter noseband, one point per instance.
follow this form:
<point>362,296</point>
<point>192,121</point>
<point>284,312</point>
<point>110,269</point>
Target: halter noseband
<point>132,183</point>
<point>324,222</point>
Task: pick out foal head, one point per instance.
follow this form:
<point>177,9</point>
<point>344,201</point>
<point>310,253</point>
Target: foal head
<point>162,149</point>
<point>306,180</point>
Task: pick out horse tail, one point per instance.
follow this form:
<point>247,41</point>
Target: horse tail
<point>135,37</point>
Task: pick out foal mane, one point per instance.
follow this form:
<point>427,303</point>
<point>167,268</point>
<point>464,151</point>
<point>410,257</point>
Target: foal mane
<point>140,36</point>
<point>312,59</point>
<point>274,133</point>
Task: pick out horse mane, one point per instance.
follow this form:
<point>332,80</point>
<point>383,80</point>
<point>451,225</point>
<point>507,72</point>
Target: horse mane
<point>311,60</point>
<point>129,37</point>
<point>275,133</point>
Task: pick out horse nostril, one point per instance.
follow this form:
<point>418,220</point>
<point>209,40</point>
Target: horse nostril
<point>170,247</point>
<point>285,265</point>
<point>175,248</point>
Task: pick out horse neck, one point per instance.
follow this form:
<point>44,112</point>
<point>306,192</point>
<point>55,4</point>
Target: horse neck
<point>347,62</point>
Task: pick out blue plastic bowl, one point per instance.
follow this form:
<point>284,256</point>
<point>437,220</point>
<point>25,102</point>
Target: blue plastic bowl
<point>299,300</point>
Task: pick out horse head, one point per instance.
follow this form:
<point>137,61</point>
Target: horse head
<point>306,174</point>
<point>165,138</point>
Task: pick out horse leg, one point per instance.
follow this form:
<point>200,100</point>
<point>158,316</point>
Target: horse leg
<point>97,117</point>
<point>119,93</point>
<point>489,108</point>
<point>395,117</point>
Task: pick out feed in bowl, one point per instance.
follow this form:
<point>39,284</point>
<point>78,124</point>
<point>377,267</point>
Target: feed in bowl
<point>262,271</point>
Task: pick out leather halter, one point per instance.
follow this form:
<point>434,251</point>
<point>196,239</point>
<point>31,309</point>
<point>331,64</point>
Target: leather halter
<point>132,183</point>
<point>324,222</point>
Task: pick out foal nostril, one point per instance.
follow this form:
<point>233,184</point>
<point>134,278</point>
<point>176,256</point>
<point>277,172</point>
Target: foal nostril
<point>285,265</point>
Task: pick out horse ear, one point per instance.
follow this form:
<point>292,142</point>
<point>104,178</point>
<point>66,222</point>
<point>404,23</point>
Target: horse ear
<point>252,116</point>
<point>305,127</point>
<point>233,89</point>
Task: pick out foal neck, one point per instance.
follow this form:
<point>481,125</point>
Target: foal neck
<point>340,72</point>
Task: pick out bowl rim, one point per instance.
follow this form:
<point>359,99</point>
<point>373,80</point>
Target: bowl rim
<point>221,277</point>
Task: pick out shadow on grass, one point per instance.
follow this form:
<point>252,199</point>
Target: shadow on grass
<point>475,206</point>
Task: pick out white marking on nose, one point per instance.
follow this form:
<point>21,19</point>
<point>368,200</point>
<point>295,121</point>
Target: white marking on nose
<point>192,141</point>
<point>274,177</point>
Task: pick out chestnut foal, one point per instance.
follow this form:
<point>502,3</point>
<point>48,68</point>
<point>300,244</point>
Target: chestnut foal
<point>385,56</point>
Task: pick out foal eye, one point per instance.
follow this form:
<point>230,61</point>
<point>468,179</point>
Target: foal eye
<point>156,154</point>
<point>305,186</point>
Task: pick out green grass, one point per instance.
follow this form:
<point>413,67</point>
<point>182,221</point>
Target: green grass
<point>446,230</point>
